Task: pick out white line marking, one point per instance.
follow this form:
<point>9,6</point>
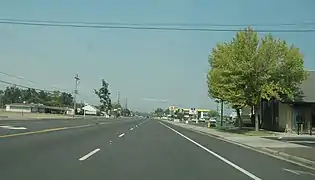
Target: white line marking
<point>88,155</point>
<point>307,142</point>
<point>121,135</point>
<point>13,128</point>
<point>216,155</point>
<point>291,171</point>
<point>131,129</point>
<point>136,125</point>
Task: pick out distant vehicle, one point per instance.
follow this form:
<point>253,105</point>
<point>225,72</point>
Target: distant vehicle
<point>212,122</point>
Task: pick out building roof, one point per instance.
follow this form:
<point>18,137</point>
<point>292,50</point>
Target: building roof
<point>89,108</point>
<point>21,105</point>
<point>37,106</point>
<point>307,89</point>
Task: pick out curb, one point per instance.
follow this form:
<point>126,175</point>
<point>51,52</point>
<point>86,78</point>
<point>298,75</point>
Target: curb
<point>276,154</point>
<point>291,157</point>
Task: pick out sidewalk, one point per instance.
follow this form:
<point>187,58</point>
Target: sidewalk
<point>298,153</point>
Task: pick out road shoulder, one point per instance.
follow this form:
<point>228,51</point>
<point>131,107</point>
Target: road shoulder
<point>269,147</point>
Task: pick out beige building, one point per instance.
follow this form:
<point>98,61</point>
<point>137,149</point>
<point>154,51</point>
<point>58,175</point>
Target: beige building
<point>282,116</point>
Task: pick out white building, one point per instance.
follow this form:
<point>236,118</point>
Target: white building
<point>90,110</point>
<point>20,107</point>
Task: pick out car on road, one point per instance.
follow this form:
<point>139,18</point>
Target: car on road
<point>213,122</point>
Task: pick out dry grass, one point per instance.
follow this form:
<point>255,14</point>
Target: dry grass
<point>6,114</point>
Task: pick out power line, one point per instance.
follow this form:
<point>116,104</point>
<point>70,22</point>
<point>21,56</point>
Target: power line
<point>31,81</point>
<point>99,26</point>
<point>17,77</point>
<point>160,24</point>
<point>22,86</point>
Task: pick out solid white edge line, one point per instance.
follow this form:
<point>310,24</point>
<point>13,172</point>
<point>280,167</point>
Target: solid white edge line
<point>89,154</point>
<point>215,154</point>
<point>291,171</point>
<point>121,135</point>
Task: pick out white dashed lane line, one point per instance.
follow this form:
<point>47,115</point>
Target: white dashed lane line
<point>121,135</point>
<point>89,154</point>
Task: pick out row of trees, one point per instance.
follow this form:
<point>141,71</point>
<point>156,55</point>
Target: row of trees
<point>13,94</point>
<point>249,69</point>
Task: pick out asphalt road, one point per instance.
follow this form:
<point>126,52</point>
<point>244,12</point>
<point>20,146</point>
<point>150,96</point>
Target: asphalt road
<point>135,149</point>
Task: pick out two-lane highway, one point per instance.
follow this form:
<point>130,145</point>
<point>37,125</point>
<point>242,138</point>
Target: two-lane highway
<point>135,149</point>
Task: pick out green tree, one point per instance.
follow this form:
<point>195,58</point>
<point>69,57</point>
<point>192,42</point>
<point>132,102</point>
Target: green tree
<point>104,96</point>
<point>159,112</point>
<point>66,99</point>
<point>44,97</point>
<point>167,111</point>
<point>12,95</point>
<point>1,98</point>
<point>247,70</point>
<point>213,113</point>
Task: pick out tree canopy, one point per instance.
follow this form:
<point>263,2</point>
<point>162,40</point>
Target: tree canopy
<point>159,112</point>
<point>248,69</point>
<point>13,94</point>
<point>104,96</point>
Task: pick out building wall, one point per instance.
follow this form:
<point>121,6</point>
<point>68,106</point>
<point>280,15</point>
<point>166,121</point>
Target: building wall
<point>270,115</point>
<point>285,116</point>
<point>18,108</point>
<point>288,114</point>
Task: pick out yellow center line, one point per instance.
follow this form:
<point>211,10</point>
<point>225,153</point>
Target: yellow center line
<point>47,130</point>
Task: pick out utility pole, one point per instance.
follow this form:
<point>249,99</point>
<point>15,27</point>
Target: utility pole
<point>75,94</point>
<point>126,105</point>
<point>221,112</point>
<point>118,98</point>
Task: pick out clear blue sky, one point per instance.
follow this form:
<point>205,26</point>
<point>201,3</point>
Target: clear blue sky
<point>139,64</point>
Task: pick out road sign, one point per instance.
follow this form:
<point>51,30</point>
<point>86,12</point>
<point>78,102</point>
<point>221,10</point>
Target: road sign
<point>171,108</point>
<point>192,111</point>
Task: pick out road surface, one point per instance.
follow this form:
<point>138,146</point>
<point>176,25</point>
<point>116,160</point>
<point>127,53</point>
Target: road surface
<point>132,149</point>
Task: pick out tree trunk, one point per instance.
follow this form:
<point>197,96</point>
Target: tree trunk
<point>239,118</point>
<point>256,118</point>
<point>221,113</point>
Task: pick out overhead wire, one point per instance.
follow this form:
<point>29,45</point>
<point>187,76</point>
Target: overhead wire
<point>22,86</point>
<point>17,77</point>
<point>38,89</point>
<point>27,80</point>
<point>104,26</point>
<point>160,24</point>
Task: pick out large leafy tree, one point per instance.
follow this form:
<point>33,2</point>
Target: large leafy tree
<point>104,96</point>
<point>247,70</point>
